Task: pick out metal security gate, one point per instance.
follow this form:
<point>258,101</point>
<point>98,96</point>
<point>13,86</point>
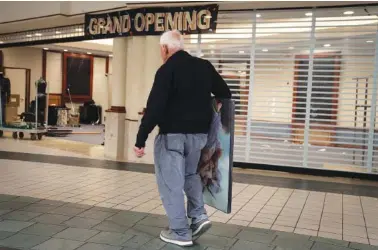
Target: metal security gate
<point>304,83</point>
<point>70,33</point>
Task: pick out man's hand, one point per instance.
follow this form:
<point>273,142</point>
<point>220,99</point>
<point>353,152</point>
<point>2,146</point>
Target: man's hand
<point>139,152</point>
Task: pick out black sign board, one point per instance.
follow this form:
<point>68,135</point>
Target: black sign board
<point>151,21</point>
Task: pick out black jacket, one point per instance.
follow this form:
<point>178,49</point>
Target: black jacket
<point>179,102</point>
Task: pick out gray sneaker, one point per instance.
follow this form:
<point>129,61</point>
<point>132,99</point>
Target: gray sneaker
<point>200,228</point>
<point>170,237</point>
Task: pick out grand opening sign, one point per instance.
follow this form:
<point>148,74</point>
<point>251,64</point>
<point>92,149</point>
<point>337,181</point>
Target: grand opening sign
<point>152,21</point>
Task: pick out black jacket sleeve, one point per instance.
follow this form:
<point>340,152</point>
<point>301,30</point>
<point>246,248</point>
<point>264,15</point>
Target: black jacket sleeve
<point>156,104</point>
<point>219,87</point>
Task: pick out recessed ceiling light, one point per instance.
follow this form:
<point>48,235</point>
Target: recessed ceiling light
<point>65,50</point>
<point>89,53</point>
<point>349,12</point>
<point>38,34</point>
<point>28,35</point>
<point>58,32</point>
<point>78,29</point>
<point>258,15</point>
<point>1,42</point>
<point>241,51</point>
<point>308,14</point>
<point>265,50</point>
<point>370,41</point>
<point>291,47</point>
<point>208,16</point>
<point>110,55</point>
<point>46,48</point>
<point>327,45</point>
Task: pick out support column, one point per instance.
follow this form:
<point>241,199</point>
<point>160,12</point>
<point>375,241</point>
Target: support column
<point>115,117</point>
<point>153,62</point>
<point>135,76</point>
<point>134,92</point>
<point>144,60</point>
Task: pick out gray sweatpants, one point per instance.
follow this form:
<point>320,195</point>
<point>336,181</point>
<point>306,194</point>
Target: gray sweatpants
<point>176,162</point>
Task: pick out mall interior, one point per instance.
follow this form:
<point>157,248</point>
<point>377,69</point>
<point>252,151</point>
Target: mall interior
<point>305,147</point>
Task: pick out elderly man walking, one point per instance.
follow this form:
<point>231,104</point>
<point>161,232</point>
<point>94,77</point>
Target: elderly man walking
<point>180,104</point>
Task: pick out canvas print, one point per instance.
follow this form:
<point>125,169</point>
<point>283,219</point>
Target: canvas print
<point>215,166</point>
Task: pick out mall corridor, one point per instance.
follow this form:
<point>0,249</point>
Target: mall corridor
<point>299,133</point>
<point>57,199</point>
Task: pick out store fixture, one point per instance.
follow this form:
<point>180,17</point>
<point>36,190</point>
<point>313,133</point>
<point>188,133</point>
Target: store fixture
<point>5,92</point>
<point>73,117</point>
<point>27,125</point>
<point>358,108</point>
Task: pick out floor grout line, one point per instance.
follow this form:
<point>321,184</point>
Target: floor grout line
<point>291,194</point>
<point>296,225</point>
<point>342,216</point>
<point>263,207</point>
<point>321,214</point>
<point>363,215</point>
<point>246,202</point>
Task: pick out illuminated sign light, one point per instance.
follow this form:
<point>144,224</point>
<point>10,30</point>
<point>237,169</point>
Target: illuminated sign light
<point>152,21</point>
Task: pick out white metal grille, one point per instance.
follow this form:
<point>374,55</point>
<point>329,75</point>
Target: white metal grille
<point>304,83</point>
<point>43,35</point>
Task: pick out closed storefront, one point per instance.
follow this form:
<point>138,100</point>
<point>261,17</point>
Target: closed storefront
<point>304,82</point>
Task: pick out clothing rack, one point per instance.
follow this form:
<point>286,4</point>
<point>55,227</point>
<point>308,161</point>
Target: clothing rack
<point>364,81</point>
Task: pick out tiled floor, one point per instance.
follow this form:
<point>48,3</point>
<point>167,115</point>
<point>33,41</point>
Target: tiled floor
<point>41,224</point>
<point>336,216</point>
<point>71,190</point>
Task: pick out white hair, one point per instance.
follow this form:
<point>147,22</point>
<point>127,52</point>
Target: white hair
<point>172,39</point>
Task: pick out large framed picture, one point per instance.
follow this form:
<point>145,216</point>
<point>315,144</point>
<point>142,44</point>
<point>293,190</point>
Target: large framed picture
<point>77,77</point>
<point>216,162</point>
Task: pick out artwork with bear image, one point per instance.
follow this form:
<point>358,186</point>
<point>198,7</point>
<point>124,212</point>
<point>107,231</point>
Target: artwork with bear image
<point>216,162</point>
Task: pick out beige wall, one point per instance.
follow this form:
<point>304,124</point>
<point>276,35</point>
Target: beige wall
<point>54,73</point>
<point>272,91</point>
<point>25,57</point>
